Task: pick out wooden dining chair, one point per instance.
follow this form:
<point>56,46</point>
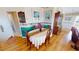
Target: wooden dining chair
<point>40,27</point>
<point>47,39</point>
<point>28,40</point>
<point>75,37</point>
<point>77,45</point>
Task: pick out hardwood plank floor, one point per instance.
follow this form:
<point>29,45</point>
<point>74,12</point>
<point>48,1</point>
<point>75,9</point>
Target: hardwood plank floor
<point>58,42</point>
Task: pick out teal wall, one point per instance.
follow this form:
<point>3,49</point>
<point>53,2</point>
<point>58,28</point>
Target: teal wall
<point>28,29</point>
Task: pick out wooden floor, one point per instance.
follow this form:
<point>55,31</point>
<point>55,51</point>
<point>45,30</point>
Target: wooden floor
<point>57,43</point>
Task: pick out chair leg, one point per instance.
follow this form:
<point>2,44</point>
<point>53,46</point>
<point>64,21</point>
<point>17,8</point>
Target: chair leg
<point>27,43</point>
<point>45,43</point>
<point>30,45</point>
<point>49,41</point>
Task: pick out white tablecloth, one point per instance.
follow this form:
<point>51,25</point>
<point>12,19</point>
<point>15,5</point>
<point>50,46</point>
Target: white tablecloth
<point>38,39</point>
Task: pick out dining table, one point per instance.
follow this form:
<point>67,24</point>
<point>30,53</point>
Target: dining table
<point>38,39</point>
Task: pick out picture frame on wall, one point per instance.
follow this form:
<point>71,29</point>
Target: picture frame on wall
<point>21,16</point>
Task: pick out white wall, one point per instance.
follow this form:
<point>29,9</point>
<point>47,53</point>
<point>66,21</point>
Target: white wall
<point>6,26</point>
<point>29,15</point>
<point>4,19</point>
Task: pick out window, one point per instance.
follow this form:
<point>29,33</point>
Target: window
<point>36,14</point>
<point>76,22</point>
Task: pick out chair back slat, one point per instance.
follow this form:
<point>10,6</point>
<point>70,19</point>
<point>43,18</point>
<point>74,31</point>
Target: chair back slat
<point>47,36</point>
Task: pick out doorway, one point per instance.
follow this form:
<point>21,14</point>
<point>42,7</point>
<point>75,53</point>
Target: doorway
<point>14,23</point>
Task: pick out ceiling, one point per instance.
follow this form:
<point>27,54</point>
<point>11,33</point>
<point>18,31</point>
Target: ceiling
<point>68,10</point>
